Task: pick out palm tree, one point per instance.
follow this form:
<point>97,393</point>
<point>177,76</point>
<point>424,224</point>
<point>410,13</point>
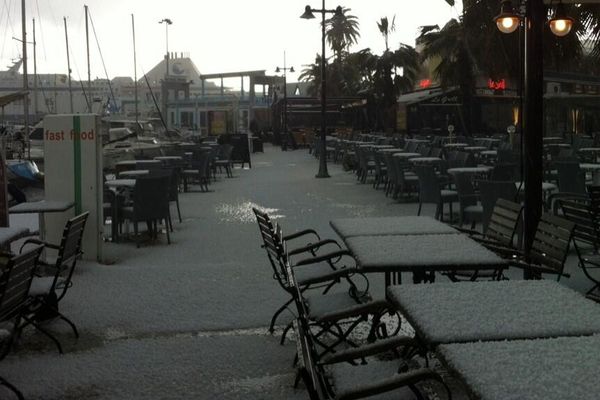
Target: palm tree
<point>341,33</point>
<point>334,76</point>
<point>385,29</point>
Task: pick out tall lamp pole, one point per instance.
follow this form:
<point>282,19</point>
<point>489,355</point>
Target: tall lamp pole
<point>278,70</point>
<point>309,14</point>
<point>164,86</point>
<point>531,17</point>
<point>167,22</point>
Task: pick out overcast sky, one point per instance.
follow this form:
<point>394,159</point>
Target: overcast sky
<point>220,36</point>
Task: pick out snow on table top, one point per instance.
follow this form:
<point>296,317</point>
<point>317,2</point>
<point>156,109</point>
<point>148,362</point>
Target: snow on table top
<point>8,234</point>
<point>548,369</point>
<point>472,311</point>
<point>469,170</point>
<point>426,252</point>
<point>374,226</point>
<point>41,206</point>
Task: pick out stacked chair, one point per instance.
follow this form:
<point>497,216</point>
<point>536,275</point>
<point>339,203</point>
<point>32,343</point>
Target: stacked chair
<point>325,320</point>
<point>346,374</point>
<point>318,270</point>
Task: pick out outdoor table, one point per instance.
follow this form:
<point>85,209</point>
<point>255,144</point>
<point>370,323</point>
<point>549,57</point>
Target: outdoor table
<point>422,255</point>
<point>120,183</point>
<point>407,156</point>
<point>135,164</point>
<point>594,169</point>
<point>550,369</point>
<point>42,207</point>
<point>590,153</point>
<point>489,153</point>
<point>481,170</point>
<point>425,160</point>
<point>382,146</point>
<point>561,145</point>
<point>381,226</point>
<point>392,150</point>
<point>491,141</point>
<point>420,141</point>
<point>552,139</point>
<point>169,158</point>
<point>475,149</point>
<point>501,310</point>
<point>134,173</point>
<point>455,145</point>
<point>11,233</point>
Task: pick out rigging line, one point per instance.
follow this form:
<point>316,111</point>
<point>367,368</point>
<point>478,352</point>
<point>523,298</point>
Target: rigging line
<point>37,6</point>
<point>8,25</point>
<point>85,93</point>
<point>112,94</point>
<point>156,104</point>
<point>46,103</point>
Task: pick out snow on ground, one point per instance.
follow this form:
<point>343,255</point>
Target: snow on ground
<point>188,320</point>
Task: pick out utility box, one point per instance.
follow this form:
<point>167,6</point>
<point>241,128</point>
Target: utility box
<point>73,172</point>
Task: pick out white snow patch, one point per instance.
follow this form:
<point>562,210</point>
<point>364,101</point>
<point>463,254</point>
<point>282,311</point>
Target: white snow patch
<point>242,212</point>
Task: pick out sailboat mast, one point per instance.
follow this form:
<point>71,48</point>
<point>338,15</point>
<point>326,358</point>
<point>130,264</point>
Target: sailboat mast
<point>25,77</point>
<point>68,67</point>
<point>87,44</point>
<point>35,79</point>
<point>135,83</point>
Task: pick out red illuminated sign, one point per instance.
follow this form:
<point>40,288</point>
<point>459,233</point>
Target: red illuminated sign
<point>497,85</point>
<point>424,83</point>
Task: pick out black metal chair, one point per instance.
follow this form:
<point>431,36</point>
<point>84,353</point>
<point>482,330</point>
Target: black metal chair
<point>224,159</point>
<point>490,192</point>
<point>470,208</point>
<point>47,291</point>
<point>174,181</point>
<point>15,282</point>
<point>150,204</point>
<point>497,237</point>
<point>322,275</point>
<point>346,374</point>
<point>549,250</point>
<point>585,213</point>
<point>199,170</point>
<point>430,191</point>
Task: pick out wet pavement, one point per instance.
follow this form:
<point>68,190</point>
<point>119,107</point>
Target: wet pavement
<point>188,320</point>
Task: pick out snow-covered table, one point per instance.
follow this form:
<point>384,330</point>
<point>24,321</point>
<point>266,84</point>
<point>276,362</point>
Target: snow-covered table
<point>8,234</point>
<point>381,226</point>
<point>423,255</point>
<point>481,170</point>
<point>486,311</point>
<point>549,369</point>
<point>42,207</point>
<point>406,156</point>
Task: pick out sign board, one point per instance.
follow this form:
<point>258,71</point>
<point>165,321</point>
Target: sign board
<point>3,192</point>
<point>73,172</point>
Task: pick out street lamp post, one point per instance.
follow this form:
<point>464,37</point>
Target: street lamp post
<point>165,86</point>
<point>308,14</point>
<point>167,22</point>
<point>278,70</point>
<point>531,17</point>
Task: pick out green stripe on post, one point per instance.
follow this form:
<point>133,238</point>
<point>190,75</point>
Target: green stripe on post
<point>77,162</point>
